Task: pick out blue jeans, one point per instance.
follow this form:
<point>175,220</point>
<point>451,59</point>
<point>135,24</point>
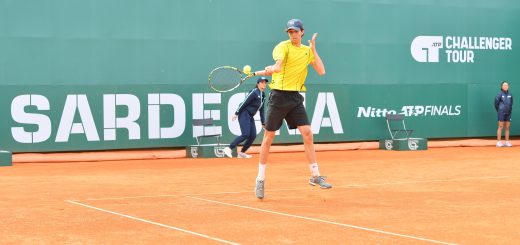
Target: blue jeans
<point>248,130</point>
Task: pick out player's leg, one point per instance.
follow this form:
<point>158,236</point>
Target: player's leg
<point>266,145</point>
<point>277,108</point>
<point>308,142</point>
<point>276,111</point>
<point>264,154</point>
<point>297,118</point>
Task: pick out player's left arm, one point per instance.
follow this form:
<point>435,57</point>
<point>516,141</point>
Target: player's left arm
<point>317,64</point>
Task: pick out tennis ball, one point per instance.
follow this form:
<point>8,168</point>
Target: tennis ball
<point>247,69</point>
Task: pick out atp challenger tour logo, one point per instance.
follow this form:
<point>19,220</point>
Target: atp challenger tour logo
<point>458,49</point>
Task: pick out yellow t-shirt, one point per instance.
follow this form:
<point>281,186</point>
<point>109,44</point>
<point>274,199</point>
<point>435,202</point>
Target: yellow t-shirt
<point>294,66</point>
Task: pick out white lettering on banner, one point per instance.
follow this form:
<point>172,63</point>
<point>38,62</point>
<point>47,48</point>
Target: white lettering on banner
<point>36,127</point>
<point>411,111</point>
<point>460,56</point>
<point>20,116</point>
<point>155,131</point>
<point>373,112</point>
<point>67,126</point>
<point>326,100</point>
<point>459,49</point>
<point>111,122</point>
<point>199,100</point>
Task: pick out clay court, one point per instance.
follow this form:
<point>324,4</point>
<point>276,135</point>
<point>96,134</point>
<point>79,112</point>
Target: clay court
<point>118,118</point>
<point>451,195</point>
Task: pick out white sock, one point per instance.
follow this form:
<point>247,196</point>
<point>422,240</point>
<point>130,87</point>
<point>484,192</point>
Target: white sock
<point>261,171</point>
<point>314,169</point>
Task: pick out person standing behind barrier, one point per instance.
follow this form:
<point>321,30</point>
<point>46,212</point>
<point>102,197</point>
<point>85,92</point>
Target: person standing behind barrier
<point>253,103</point>
<point>504,107</point>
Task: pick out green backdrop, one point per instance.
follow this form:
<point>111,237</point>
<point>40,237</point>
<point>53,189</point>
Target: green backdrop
<point>373,52</point>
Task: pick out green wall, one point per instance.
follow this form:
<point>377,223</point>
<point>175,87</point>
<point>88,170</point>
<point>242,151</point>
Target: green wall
<point>54,49</point>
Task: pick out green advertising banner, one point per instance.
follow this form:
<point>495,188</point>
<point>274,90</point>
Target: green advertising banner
<point>67,118</point>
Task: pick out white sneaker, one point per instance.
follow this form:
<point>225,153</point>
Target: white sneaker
<point>508,144</point>
<point>243,155</point>
<point>499,144</point>
<point>228,152</point>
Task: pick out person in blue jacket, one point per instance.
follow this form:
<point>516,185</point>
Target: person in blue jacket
<point>253,103</point>
<point>504,107</point>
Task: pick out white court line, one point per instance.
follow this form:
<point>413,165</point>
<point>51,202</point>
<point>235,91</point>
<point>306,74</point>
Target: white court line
<point>166,195</point>
<point>437,180</point>
<point>324,221</point>
<point>154,223</point>
<point>296,189</point>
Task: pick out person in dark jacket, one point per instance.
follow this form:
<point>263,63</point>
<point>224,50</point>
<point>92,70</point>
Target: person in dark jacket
<point>253,103</point>
<point>504,107</point>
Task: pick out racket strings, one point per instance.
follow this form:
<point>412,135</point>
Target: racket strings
<point>225,79</point>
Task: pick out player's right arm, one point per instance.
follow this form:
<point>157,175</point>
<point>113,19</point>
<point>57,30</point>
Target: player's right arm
<point>279,53</point>
<point>277,67</point>
<point>269,70</point>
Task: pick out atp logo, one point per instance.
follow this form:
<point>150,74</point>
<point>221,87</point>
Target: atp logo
<point>194,152</point>
<point>426,48</point>
<point>219,151</point>
<point>413,144</point>
<point>389,144</point>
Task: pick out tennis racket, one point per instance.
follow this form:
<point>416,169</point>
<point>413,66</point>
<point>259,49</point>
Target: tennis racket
<point>227,78</point>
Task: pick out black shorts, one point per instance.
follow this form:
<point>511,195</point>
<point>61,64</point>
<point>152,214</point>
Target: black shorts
<point>286,105</point>
<point>504,116</point>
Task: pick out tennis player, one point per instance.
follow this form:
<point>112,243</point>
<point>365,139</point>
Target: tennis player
<point>289,71</point>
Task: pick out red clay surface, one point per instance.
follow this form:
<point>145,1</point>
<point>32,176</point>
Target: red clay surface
<point>462,195</point>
